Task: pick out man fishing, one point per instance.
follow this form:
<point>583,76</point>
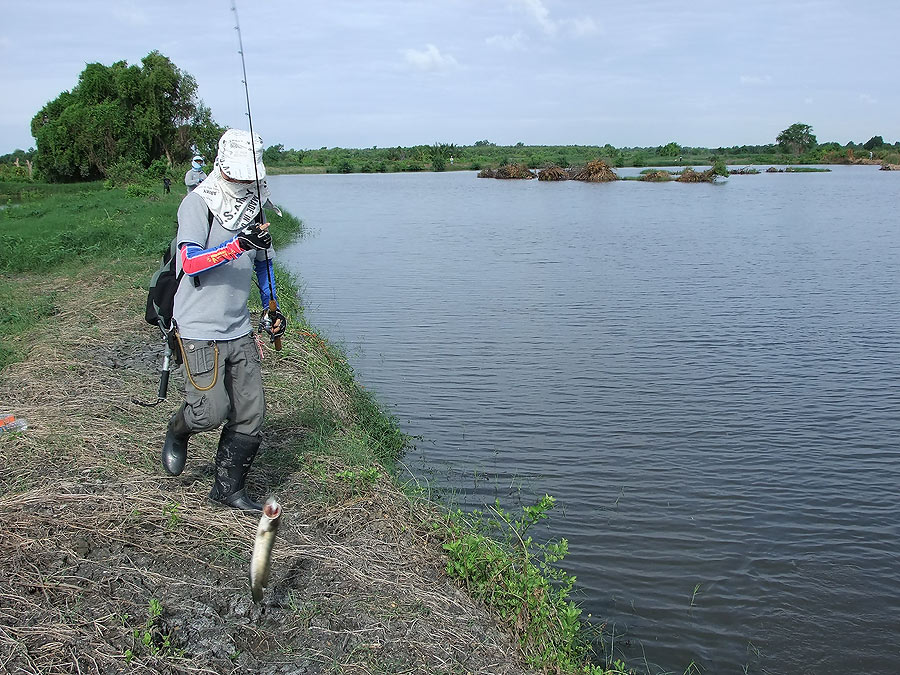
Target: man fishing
<point>195,175</point>
<point>222,240</point>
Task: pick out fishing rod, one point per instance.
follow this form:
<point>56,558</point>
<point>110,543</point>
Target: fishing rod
<point>237,27</point>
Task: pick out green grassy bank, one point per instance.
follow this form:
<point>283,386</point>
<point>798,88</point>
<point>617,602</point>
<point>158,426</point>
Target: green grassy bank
<point>74,272</point>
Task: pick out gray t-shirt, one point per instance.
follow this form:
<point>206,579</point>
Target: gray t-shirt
<point>217,309</point>
<point>193,178</point>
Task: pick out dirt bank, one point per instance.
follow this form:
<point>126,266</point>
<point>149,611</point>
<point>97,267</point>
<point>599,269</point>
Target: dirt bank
<point>107,566</point>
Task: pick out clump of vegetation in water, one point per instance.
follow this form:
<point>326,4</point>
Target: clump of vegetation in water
<point>657,176</point>
<point>719,168</point>
<point>553,173</point>
<point>508,172</point>
<point>689,175</point>
<point>596,171</point>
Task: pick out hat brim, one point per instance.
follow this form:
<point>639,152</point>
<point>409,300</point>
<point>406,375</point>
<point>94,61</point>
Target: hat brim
<point>240,171</point>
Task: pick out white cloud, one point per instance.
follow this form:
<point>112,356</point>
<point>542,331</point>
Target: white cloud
<point>582,26</point>
<point>540,14</point>
<point>507,42</point>
<point>756,80</point>
<point>429,59</point>
<point>866,98</point>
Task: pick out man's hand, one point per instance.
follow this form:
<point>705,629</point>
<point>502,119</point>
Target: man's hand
<point>255,237</point>
<point>273,322</point>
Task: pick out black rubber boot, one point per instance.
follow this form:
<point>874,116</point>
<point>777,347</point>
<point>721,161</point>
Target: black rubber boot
<point>233,460</point>
<point>174,452</point>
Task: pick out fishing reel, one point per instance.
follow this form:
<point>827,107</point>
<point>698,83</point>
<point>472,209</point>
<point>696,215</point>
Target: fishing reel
<point>269,319</point>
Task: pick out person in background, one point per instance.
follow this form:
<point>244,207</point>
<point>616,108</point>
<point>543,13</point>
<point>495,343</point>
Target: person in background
<point>195,174</point>
<point>222,241</point>
<point>167,184</point>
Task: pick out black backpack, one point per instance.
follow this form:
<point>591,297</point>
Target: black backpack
<point>163,286</point>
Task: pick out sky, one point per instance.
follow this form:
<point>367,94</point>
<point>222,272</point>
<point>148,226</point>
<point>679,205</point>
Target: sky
<point>364,73</point>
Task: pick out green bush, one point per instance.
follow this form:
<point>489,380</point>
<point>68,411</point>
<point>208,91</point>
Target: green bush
<point>719,167</point>
<point>344,166</point>
<point>518,578</point>
<point>11,172</point>
<point>158,169</point>
<point>140,191</point>
<point>125,172</point>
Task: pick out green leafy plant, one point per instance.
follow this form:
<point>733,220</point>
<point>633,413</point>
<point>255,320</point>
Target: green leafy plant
<point>149,638</point>
<point>359,478</point>
<point>173,517</point>
<point>140,191</point>
<point>501,564</point>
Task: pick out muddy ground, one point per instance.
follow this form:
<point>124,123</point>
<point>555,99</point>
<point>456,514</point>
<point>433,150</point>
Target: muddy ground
<point>108,566</point>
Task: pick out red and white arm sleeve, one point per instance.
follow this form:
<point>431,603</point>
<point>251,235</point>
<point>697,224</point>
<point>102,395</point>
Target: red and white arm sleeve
<point>195,260</point>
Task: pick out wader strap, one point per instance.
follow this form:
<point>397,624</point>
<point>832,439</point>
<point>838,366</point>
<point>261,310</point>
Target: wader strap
<point>187,368</point>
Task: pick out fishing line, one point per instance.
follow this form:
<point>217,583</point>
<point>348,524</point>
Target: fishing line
<point>237,27</point>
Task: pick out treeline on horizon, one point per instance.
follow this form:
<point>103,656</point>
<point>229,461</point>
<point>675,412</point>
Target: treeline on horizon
<point>484,154</point>
<point>139,123</point>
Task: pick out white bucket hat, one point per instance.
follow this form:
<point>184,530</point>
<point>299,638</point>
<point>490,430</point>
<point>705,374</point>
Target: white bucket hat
<point>236,157</point>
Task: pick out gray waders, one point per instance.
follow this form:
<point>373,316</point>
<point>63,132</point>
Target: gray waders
<point>224,385</point>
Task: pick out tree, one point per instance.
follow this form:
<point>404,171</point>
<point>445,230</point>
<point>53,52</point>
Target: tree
<point>273,154</point>
<point>123,113</point>
<point>874,142</point>
<point>797,138</point>
<point>669,150</point>
<point>443,150</point>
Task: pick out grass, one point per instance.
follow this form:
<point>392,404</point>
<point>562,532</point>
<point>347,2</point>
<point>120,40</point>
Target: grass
<point>59,229</point>
<point>29,190</point>
<point>694,593</point>
<point>20,310</point>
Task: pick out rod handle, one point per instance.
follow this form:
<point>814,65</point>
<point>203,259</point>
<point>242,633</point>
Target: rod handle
<point>163,384</point>
<point>272,308</point>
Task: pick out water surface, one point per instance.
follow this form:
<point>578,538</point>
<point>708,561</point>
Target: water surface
<point>706,377</point>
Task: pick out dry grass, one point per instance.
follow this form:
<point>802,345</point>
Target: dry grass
<point>553,173</point>
<point>596,171</point>
<point>93,534</point>
<point>691,176</point>
<point>508,172</point>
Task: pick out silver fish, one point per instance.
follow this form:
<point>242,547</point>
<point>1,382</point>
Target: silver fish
<point>261,561</point>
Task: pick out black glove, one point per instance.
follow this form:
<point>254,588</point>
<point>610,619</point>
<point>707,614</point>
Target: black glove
<point>254,237</point>
<point>273,322</point>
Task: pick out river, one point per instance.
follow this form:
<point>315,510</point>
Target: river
<point>706,377</point>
